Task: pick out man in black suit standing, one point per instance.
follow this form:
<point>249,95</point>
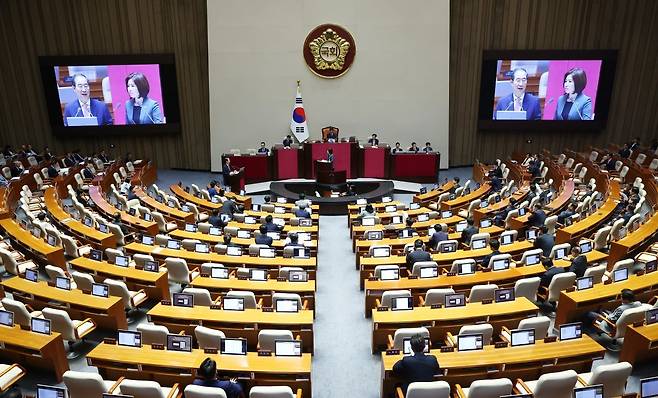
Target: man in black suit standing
<point>545,241</point>
<point>416,367</point>
<point>226,170</point>
<point>287,142</point>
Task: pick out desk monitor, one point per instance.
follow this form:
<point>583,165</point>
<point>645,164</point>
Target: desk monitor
<point>51,239</point>
<point>148,217</point>
<point>585,246</point>
<point>281,200</point>
<point>423,190</point>
<point>448,247</point>
<point>501,264</point>
<point>44,391</point>
<point>504,294</point>
<point>243,234</point>
<point>6,318</point>
<point>286,305</point>
<point>423,217</point>
<point>387,199</point>
<point>570,331</point>
<point>257,274</point>
<point>171,203</point>
<point>36,231</point>
<point>568,221</point>
<point>460,226</point>
<point>233,303</point>
<point>652,316</point>
<point>506,239</point>
<point>466,191</point>
<point>219,273</point>
<point>368,221</point>
<point>279,221</point>
<point>151,266</point>
<point>147,240</point>
<point>129,338</point>
<point>132,211</point>
<point>361,202</point>
<point>121,261</point>
<point>485,223</point>
<point>100,290</point>
<point>531,234</point>
<point>103,228</point>
<point>620,275</point>
<point>274,235</point>
<point>389,274</point>
<point>522,211</point>
<point>31,275</point>
<point>405,233</point>
<point>215,199</point>
<point>390,209</point>
<point>374,235</point>
<point>585,283</point>
<point>478,244</point>
<point>560,253</point>
<point>88,221</point>
<point>303,237</point>
<point>396,220</point>
<point>183,300</point>
<point>402,303</point>
<point>234,251</point>
<point>297,276</point>
<point>250,220</point>
<point>484,204</point>
<point>466,268</point>
<point>429,271</point>
<point>406,346</point>
<point>176,342</point>
<point>446,214</point>
<point>300,252</point>
<point>287,348</point>
<point>233,346</point>
<point>173,244</point>
<point>267,252</point>
<point>498,198</point>
<point>279,210</point>
<point>255,207</point>
<point>40,325</point>
<point>214,231</point>
<point>594,391</point>
<point>651,266</point>
<point>649,387</point>
<point>469,342</point>
<point>414,206</point>
<point>62,282</point>
<point>381,252</point>
<point>522,337</point>
<point>190,228</point>
<point>305,222</point>
<point>452,196</point>
<point>201,248</point>
<point>455,300</point>
<point>532,259</point>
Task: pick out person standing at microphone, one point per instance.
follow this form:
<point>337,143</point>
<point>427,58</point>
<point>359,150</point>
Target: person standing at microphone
<point>140,109</point>
<point>86,106</point>
<point>519,99</point>
<point>574,105</point>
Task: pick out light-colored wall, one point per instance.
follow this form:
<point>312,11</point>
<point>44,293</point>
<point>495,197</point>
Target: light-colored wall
<point>397,86</point>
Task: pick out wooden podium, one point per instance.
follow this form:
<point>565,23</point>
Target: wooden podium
<point>326,175</point>
<point>236,180</point>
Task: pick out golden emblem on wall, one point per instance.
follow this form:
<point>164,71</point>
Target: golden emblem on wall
<point>329,50</point>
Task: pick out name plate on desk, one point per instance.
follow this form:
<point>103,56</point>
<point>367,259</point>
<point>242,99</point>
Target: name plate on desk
<point>264,353</point>
<point>210,351</point>
<point>110,341</point>
<point>451,274</point>
<point>486,270</point>
<point>165,302</point>
<point>243,278</point>
<point>205,275</point>
<point>571,289</point>
<point>448,349</point>
<point>281,279</point>
<point>215,307</point>
<point>501,344</point>
<point>139,267</point>
<point>372,278</point>
<point>412,277</point>
<point>436,306</point>
<point>487,301</point>
<point>268,309</point>
<point>550,339</point>
<point>157,346</point>
<point>638,324</point>
<point>382,308</point>
<point>392,352</point>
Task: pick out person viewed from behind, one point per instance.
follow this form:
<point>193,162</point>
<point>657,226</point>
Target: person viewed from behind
<point>574,104</point>
<point>409,230</point>
<point>215,220</point>
<point>270,225</point>
<point>417,254</point>
<point>544,241</point>
<point>207,377</point>
<point>301,211</point>
<point>551,271</point>
<point>416,367</point>
<point>262,238</point>
<point>438,236</point>
<point>469,231</point>
<point>537,217</point>
<point>140,109</point>
<point>369,211</point>
<point>495,245</point>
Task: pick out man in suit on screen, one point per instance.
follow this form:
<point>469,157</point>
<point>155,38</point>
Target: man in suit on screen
<point>85,106</point>
<point>519,100</point>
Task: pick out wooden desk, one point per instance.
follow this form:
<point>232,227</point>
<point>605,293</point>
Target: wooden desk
<point>526,362</point>
<point>439,321</point>
<point>464,201</point>
<point>494,208</point>
<point>315,217</point>
<point>354,208</point>
<point>313,230</point>
<point>108,313</point>
<point>34,350</point>
<point>169,213</point>
<point>37,248</point>
<point>245,323</point>
<point>573,305</point>
<point>75,227</point>
<point>136,223</point>
<point>169,367</point>
<point>640,344</point>
<point>207,204</point>
<point>425,198</point>
<point>420,226</point>
<point>634,241</point>
<point>199,258</point>
<point>214,239</point>
<point>155,284</point>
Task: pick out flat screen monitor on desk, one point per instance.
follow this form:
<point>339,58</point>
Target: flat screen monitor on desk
<point>595,391</point>
<point>219,273</point>
<point>286,305</point>
<point>257,274</point>
<point>6,318</point>
<point>504,294</point>
<point>233,346</point>
<point>570,331</point>
<point>233,304</point>
<point>389,274</point>
<point>649,387</point>
<point>129,338</point>
<point>520,337</point>
<point>288,348</point>
<point>40,325</point>
<point>100,290</point>
<point>429,271</point>
<point>469,342</point>
<point>297,276</point>
<point>176,342</point>
<point>501,264</point>
<point>183,300</point>
<point>44,391</point>
<point>455,300</point>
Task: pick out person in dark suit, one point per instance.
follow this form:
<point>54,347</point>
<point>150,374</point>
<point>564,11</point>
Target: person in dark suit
<point>85,105</point>
<point>578,262</point>
<point>140,108</point>
<point>455,181</point>
<point>469,231</point>
<point>332,135</point>
<point>428,148</point>
<point>212,190</point>
<point>537,217</point>
<point>16,169</point>
<point>630,211</point>
<point>263,150</point>
<point>413,148</point>
<point>417,254</point>
<point>287,142</point>
<point>270,225</point>
<point>635,144</point>
<point>293,241</point>
<point>551,271</point>
<point>544,241</point>
<point>625,152</point>
<point>398,148</point>
<point>215,220</point>
<point>330,155</point>
<point>301,211</point>
<point>229,208</point>
<point>409,228</point>
<point>87,172</point>
<point>207,377</point>
<point>103,157</point>
<point>574,104</point>
<point>438,236</point>
<point>564,214</point>
<point>52,171</point>
<point>499,218</point>
<point>226,170</point>
<point>495,245</point>
<point>519,100</point>
<point>496,183</point>
<point>374,141</point>
<point>263,239</point>
<point>417,367</point>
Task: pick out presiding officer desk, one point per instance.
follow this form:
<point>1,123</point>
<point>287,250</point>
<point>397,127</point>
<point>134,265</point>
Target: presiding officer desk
<point>640,343</point>
<point>170,367</point>
<point>32,246</point>
<point>440,321</point>
<point>525,362</point>
<point>107,313</point>
<point>33,349</point>
<point>155,284</point>
<point>247,323</point>
<point>136,223</point>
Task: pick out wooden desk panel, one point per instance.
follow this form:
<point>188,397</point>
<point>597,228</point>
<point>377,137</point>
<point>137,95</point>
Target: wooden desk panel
<point>640,344</point>
<point>633,242</point>
<point>432,195</point>
<point>464,201</point>
<point>206,204</point>
<point>148,227</point>
<point>214,239</point>
<point>181,217</point>
<point>494,208</point>
<point>38,248</point>
<point>34,349</point>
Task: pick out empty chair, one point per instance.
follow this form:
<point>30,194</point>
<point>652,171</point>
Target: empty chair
<point>372,249</point>
<point>82,280</point>
<point>593,155</point>
<point>53,272</point>
<point>12,266</point>
<point>206,268</point>
<point>527,287</point>
<point>511,215</point>
<point>615,232</point>
<point>379,268</point>
<point>540,324</point>
<point>198,216</point>
<point>550,385</point>
<point>561,158</point>
<point>446,245</point>
<point>208,338</point>
<point>72,331</point>
<point>436,296</point>
<point>189,244</point>
<point>481,235</point>
<point>204,227</point>
<point>559,283</point>
<point>612,376</point>
<point>163,226</point>
<point>530,253</point>
<point>10,374</point>
<point>289,296</point>
<point>153,334</point>
<point>425,389</point>
<point>622,174</point>
<point>272,392</point>
<point>131,299</point>
<point>389,295</point>
<point>596,272</point>
<point>178,271</point>
<point>267,337</point>
<point>653,165</point>
<point>475,204</point>
<point>601,238</point>
<point>111,254</point>
<point>147,389</point>
<point>141,259</point>
<point>513,234</point>
<point>86,384</point>
<point>485,329</point>
<point>457,265</point>
<point>564,247</point>
<point>23,314</point>
<point>254,249</point>
<point>485,389</point>
<point>194,391</point>
<point>201,296</point>
<point>482,292</point>
<point>162,239</point>
<point>284,272</point>
<point>71,248</point>
<point>249,298</point>
<point>396,342</point>
<point>640,159</point>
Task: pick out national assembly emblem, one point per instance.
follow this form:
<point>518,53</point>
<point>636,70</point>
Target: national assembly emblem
<point>329,50</point>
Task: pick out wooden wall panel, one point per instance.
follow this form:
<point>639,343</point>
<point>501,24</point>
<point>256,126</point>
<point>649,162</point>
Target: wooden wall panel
<point>631,27</point>
<point>66,27</point>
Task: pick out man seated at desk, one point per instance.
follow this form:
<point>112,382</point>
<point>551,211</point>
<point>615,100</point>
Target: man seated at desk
<point>578,262</point>
<point>417,254</point>
<point>538,217</point>
<point>287,142</point>
<point>212,190</point>
<point>263,150</point>
<point>207,377</point>
<point>215,220</point>
<point>398,148</point>
<point>469,231</point>
<point>416,367</point>
<point>603,320</point>
<point>302,200</point>
<point>428,148</point>
<point>568,212</point>
<point>229,208</point>
<point>551,271</point>
<point>332,135</point>
<point>292,241</point>
<point>262,238</point>
<point>409,230</point>
<point>413,148</point>
<point>270,225</point>
<point>544,241</point>
<point>369,211</point>
<point>438,236</point>
<point>302,211</point>
<point>373,140</point>
<point>495,245</point>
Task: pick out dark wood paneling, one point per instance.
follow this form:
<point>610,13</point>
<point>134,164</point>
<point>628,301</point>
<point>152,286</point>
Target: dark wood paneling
<point>65,27</point>
<point>631,27</point>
